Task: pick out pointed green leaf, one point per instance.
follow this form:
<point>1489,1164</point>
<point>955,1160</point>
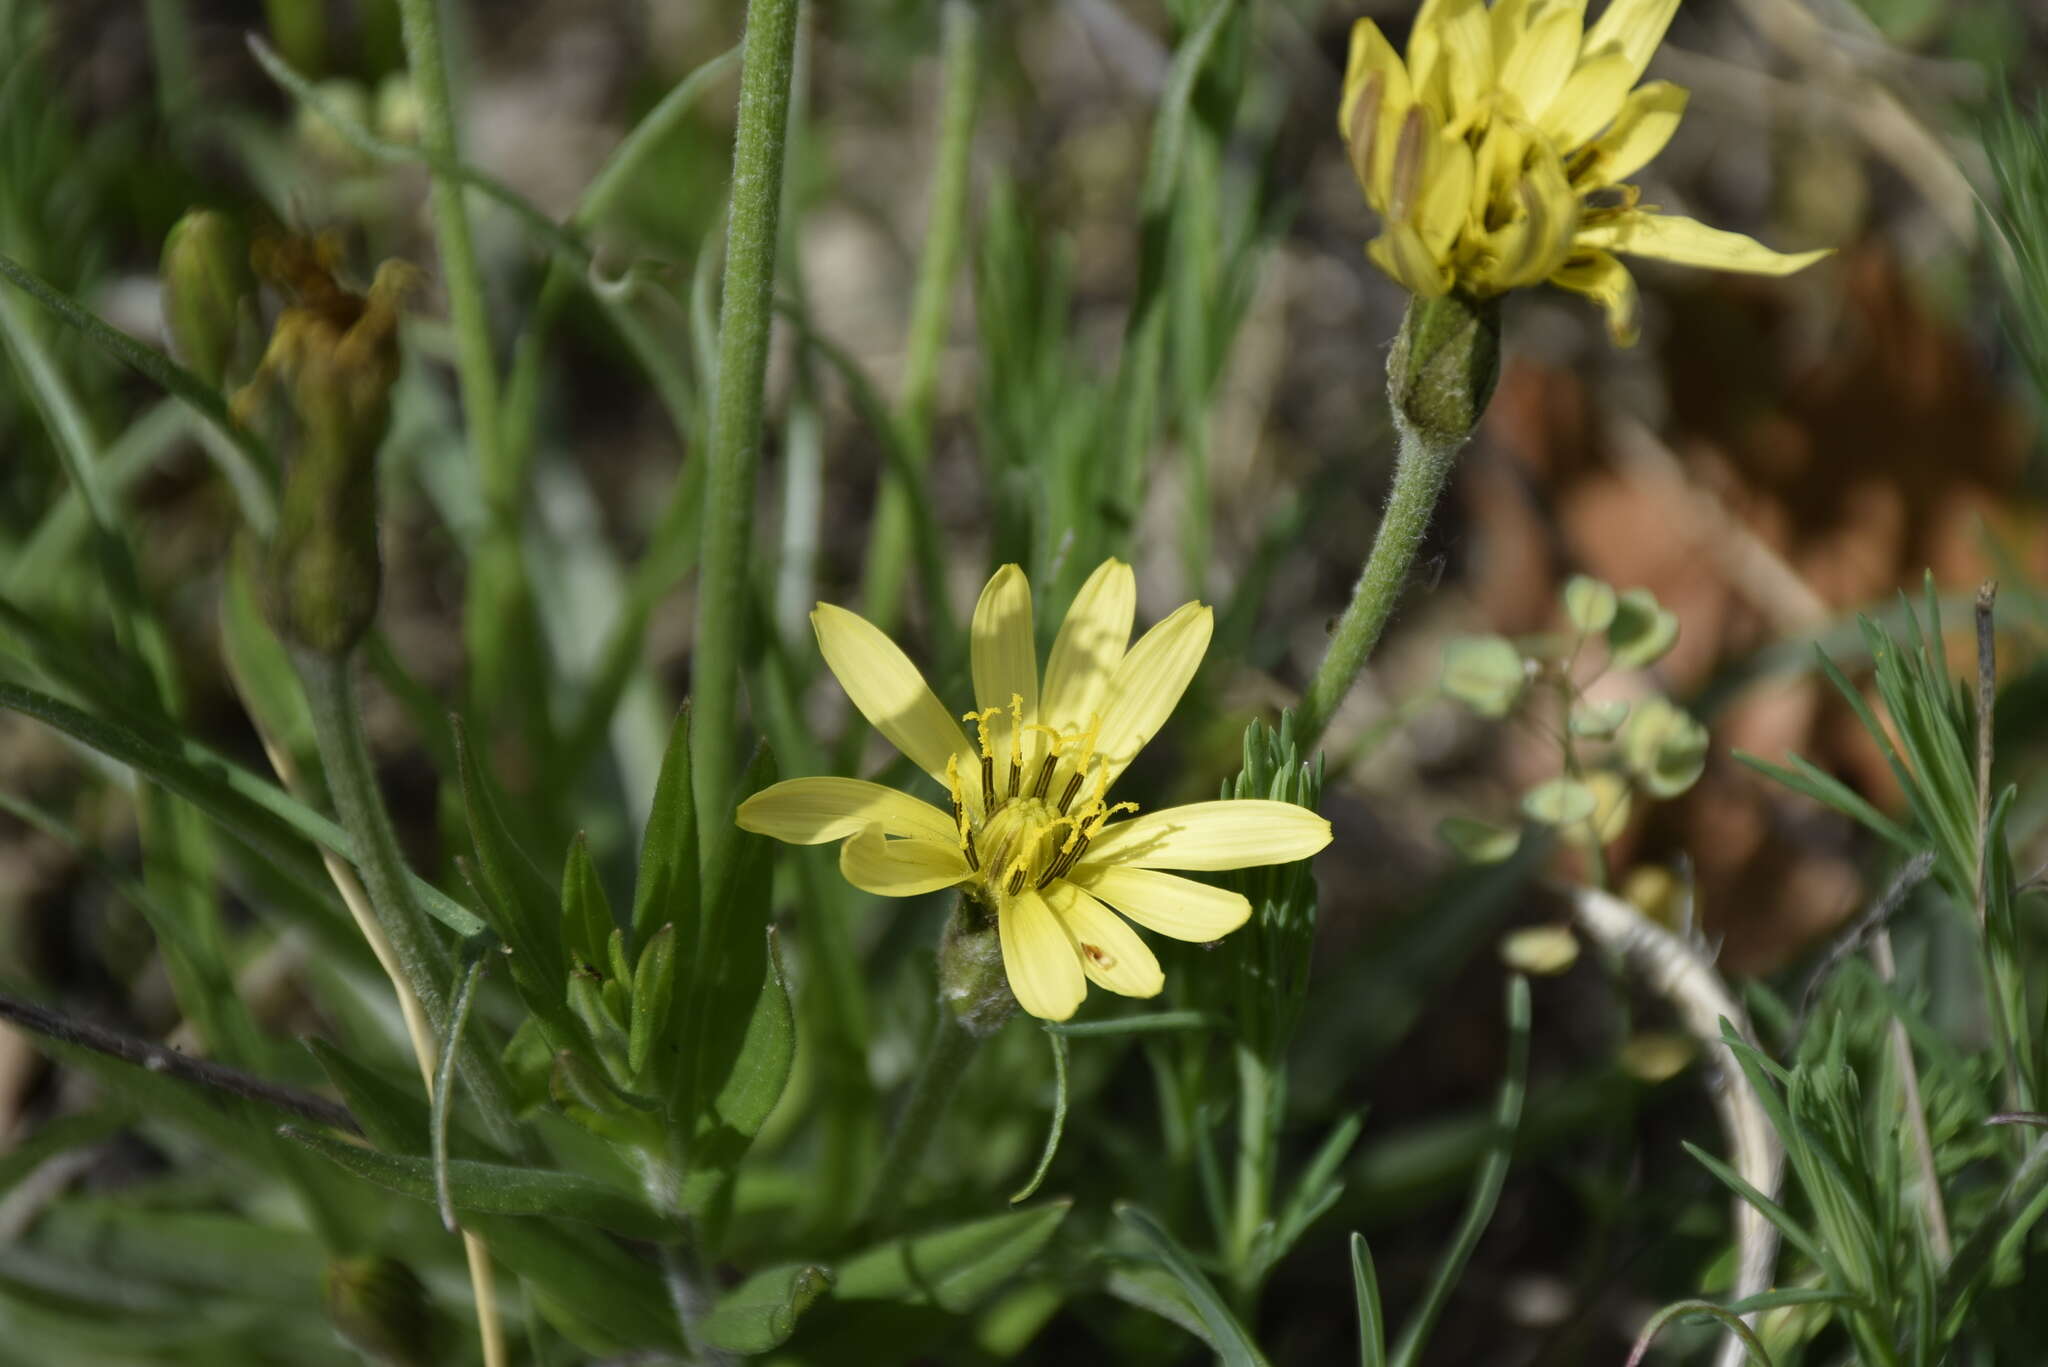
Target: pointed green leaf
<point>516,899</point>
<point>952,1268</point>
<point>761,1312</point>
<point>767,1053</point>
<point>394,1118</point>
<point>755,1083</point>
<point>730,962</point>
<point>621,967</point>
<point>606,1300</point>
<point>1372,1322</point>
<point>255,810</point>
<point>654,990</point>
<point>587,924</point>
<point>665,892</point>
<point>1219,1327</point>
<point>497,1188</point>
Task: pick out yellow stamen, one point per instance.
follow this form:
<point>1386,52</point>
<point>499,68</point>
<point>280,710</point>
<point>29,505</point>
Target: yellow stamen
<point>1016,741</point>
<point>1102,818</point>
<point>981,721</point>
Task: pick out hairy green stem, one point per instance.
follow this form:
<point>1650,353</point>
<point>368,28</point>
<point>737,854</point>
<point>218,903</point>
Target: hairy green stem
<point>352,780</point>
<point>931,307</point>
<point>723,595</point>
<point>1440,376</point>
<point>475,368</point>
<point>1420,471</point>
<point>947,1053</point>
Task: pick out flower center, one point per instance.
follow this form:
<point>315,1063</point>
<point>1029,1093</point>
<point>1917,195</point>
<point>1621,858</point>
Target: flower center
<point>1029,829</point>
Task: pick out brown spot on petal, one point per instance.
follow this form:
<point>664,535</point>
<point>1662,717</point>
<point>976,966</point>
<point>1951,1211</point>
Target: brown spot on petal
<point>1101,957</point>
<point>1365,128</point>
<point>1408,155</point>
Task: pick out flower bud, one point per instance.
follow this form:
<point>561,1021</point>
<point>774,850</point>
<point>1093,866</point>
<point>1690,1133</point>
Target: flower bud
<point>209,294</point>
<point>380,1307</point>
<point>1445,360</point>
<point>972,982</point>
<point>323,396</point>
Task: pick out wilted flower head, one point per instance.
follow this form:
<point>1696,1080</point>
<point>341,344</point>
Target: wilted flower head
<point>1498,154</point>
<point>322,396</point>
<point>1029,831</point>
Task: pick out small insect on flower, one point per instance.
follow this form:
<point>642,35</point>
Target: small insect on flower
<point>1029,830</point>
<point>1498,154</point>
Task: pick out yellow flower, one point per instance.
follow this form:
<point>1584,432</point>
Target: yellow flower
<point>1497,155</point>
<point>1029,831</point>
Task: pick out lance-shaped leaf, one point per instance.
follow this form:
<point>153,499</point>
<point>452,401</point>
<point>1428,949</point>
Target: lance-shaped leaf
<point>256,811</point>
<point>665,891</point>
<point>587,923</point>
<point>1218,1327</point>
<point>727,971</point>
<point>393,1118</point>
<point>951,1268</point>
<point>498,1189</point>
<point>759,1073</point>
<point>603,1298</point>
<point>761,1312</point>
<point>654,991</point>
<point>516,899</point>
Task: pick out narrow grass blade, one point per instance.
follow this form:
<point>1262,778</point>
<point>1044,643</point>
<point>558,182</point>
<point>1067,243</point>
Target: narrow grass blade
<point>1372,1324</point>
<point>1223,1332</point>
<point>1059,1119</point>
<point>1486,1185</point>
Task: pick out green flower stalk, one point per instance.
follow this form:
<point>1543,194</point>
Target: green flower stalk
<point>1440,375</point>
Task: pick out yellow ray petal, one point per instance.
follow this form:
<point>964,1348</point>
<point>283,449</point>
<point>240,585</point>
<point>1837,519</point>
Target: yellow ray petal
<point>1607,283</point>
<point>1148,684</point>
<point>1538,239</point>
<point>811,811</point>
<point>1450,56</point>
<point>1090,646</point>
<point>1647,120</point>
<point>1376,96</point>
<point>1589,101</point>
<point>1235,833</point>
<point>900,868</point>
<point>1632,29</point>
<point>1110,952</point>
<point>1509,19</point>
<point>1402,254</point>
<point>1446,195</point>
<point>888,690</point>
<point>1688,242</point>
<point>1004,654</point>
<point>1173,906</point>
<point>1043,967</point>
<point>1541,59</point>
